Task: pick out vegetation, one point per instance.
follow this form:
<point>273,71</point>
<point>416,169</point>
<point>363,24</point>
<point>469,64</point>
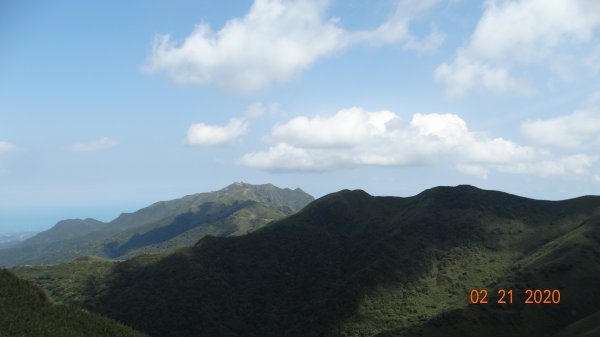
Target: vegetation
<point>69,282</point>
<point>162,226</point>
<point>26,311</point>
<point>350,264</point>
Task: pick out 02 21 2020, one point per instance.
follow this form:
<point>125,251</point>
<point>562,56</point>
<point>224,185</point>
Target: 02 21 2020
<point>505,296</point>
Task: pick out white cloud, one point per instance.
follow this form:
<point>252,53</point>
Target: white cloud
<point>351,137</point>
<point>578,129</point>
<point>355,137</point>
<point>349,127</point>
<point>94,146</point>
<point>204,134</point>
<point>274,42</point>
<point>6,147</point>
<point>514,32</point>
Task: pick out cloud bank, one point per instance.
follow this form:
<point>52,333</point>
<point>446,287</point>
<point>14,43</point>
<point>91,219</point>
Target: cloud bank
<point>355,137</point>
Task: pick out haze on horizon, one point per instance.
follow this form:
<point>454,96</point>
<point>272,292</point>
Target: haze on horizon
<point>107,107</point>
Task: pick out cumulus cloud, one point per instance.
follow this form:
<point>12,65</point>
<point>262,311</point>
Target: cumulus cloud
<point>519,32</point>
<point>274,42</point>
<point>207,135</point>
<point>95,145</point>
<point>355,137</point>
<point>6,147</point>
<point>576,130</point>
<point>347,128</point>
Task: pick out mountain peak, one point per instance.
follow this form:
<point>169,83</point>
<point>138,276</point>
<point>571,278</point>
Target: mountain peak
<point>238,183</point>
<point>242,184</point>
<point>458,188</point>
<point>267,193</point>
<point>78,222</point>
<point>358,193</point>
<point>450,193</point>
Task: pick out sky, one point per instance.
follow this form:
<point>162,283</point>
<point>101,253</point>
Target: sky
<point>109,106</point>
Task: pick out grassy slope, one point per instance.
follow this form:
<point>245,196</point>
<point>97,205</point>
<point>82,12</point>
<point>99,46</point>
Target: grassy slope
<point>25,311</point>
<point>354,265</point>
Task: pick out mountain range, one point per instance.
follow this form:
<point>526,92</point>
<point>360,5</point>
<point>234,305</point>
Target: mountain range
<point>234,210</point>
<point>352,264</point>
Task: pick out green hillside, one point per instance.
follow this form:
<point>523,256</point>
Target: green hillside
<point>162,226</point>
<point>25,311</point>
<point>350,264</point>
<point>69,282</point>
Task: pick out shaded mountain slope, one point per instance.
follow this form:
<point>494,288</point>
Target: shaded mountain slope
<point>350,264</point>
<point>234,210</point>
<point>26,311</point>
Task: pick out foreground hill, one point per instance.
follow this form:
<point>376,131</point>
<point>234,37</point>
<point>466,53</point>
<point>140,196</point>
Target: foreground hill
<point>350,264</point>
<point>237,209</point>
<point>25,311</point>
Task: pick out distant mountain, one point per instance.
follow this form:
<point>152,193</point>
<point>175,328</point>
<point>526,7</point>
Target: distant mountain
<point>237,209</point>
<point>350,264</point>
<point>26,311</point>
<point>11,239</point>
<point>65,230</point>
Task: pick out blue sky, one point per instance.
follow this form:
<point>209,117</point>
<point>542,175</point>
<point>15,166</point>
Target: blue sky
<point>108,106</point>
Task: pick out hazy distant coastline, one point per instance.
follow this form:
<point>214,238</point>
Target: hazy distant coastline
<point>10,239</point>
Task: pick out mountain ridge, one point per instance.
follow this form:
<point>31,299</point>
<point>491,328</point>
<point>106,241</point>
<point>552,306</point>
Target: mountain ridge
<point>124,236</point>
